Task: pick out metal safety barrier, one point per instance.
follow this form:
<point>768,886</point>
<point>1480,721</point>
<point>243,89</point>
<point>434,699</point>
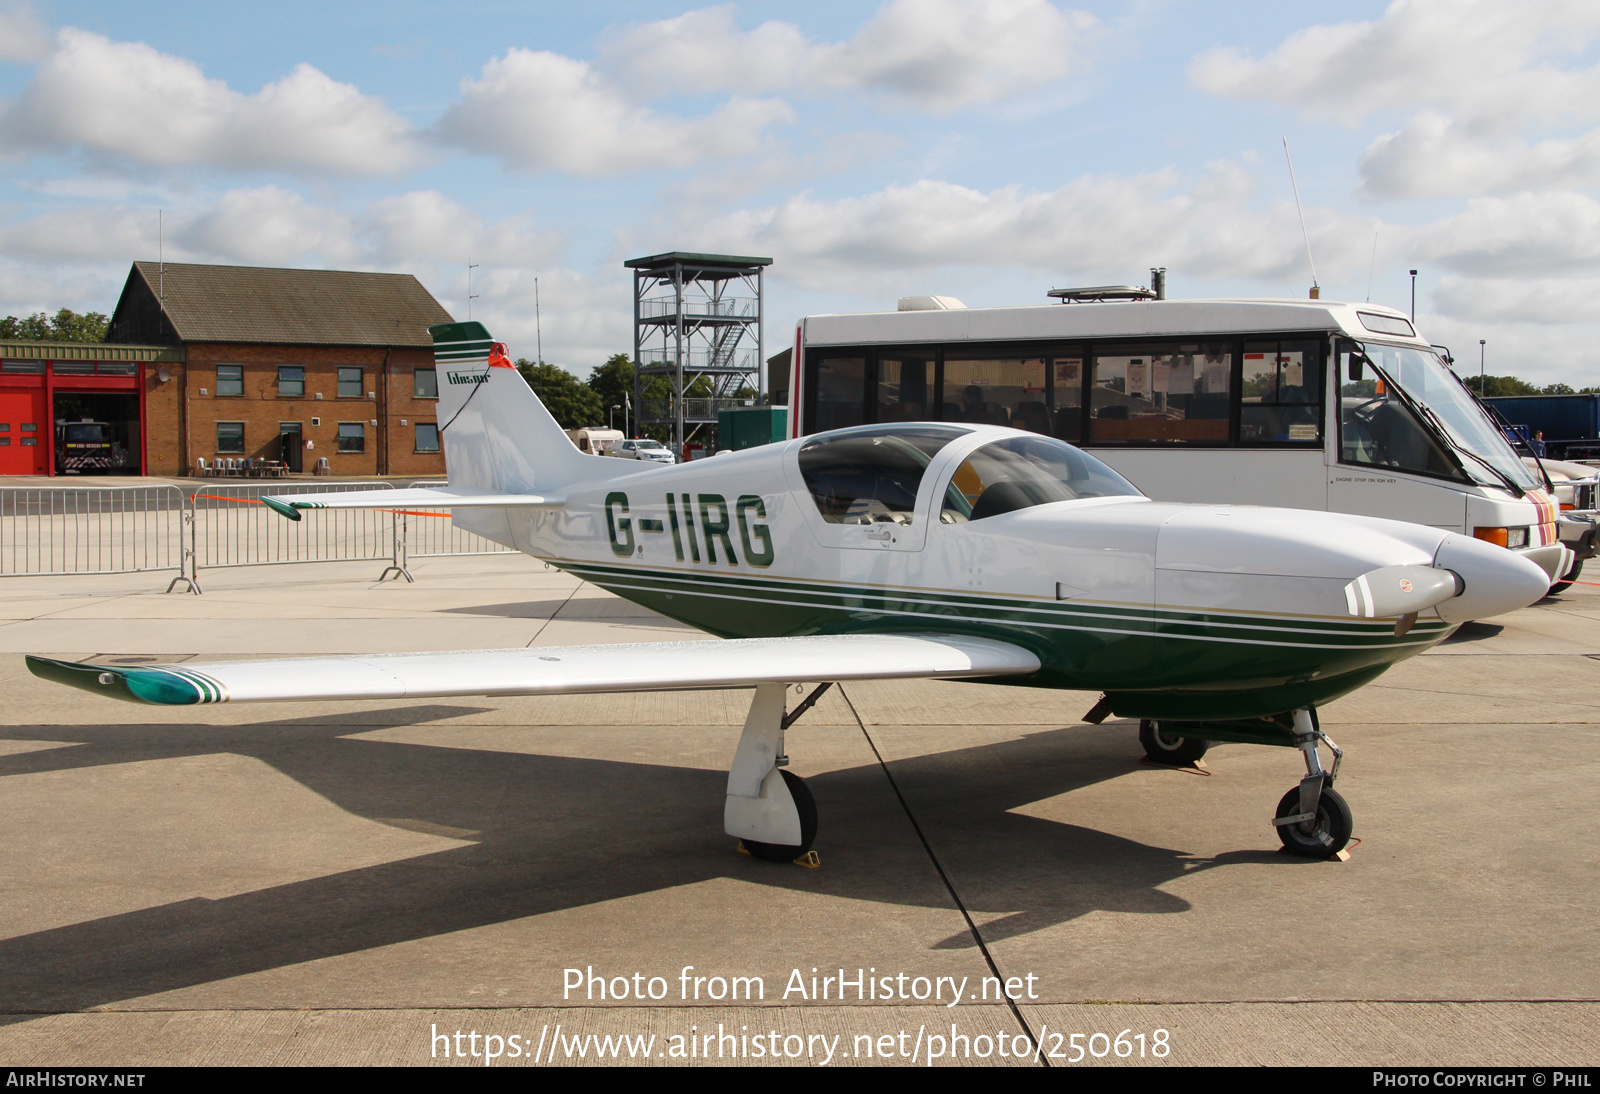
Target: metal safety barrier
<point>92,530</point>
<point>431,537</point>
<point>115,530</point>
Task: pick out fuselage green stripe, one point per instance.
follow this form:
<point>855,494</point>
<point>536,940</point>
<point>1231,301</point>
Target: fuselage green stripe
<point>996,609</point>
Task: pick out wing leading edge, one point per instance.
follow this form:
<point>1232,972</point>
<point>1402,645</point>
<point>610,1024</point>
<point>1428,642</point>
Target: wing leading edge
<point>434,497</point>
<point>555,670</point>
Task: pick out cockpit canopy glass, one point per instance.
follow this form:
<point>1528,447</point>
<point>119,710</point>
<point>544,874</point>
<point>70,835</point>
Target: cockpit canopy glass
<point>868,476</point>
<point>1020,472</point>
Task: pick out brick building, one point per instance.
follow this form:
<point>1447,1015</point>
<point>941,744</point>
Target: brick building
<point>295,366</point>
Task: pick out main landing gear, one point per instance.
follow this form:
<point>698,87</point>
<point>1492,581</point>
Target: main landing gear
<point>768,809</point>
<point>1313,819</point>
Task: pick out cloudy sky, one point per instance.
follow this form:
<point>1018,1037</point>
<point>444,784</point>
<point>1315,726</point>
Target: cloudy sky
<point>986,149</point>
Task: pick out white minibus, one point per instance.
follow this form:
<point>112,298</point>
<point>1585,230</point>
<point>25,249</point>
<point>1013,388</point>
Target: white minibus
<point>1311,404</point>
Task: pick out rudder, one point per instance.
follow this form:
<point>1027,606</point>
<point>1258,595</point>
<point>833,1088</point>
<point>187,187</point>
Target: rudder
<point>496,433</point>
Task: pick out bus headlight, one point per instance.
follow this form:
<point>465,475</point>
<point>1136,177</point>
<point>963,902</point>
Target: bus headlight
<point>1513,538</point>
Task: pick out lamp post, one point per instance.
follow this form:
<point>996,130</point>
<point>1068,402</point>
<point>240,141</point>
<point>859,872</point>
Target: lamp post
<point>1413,296</point>
<point>1482,394</point>
<point>611,418</point>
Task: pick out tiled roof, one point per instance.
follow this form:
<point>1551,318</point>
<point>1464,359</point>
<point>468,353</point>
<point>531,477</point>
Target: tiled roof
<point>298,307</point>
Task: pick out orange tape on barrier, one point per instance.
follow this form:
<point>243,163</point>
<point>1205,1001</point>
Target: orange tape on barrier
<point>219,497</point>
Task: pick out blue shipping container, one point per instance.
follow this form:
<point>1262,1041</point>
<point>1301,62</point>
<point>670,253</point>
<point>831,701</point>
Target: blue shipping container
<point>1567,421</point>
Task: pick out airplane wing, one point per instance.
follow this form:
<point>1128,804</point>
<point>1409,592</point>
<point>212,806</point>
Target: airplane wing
<point>554,670</point>
<point>431,497</point>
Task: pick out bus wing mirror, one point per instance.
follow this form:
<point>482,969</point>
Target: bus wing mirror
<point>1357,361</point>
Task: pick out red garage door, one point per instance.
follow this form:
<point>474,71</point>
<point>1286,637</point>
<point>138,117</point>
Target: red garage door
<point>22,432</point>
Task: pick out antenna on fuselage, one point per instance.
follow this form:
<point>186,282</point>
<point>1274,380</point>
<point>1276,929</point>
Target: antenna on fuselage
<point>1316,289</point>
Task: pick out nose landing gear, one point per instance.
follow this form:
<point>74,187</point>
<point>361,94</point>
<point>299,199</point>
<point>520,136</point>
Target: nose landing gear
<point>1313,819</point>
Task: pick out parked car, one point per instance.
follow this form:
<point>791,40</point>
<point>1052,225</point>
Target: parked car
<point>643,449</point>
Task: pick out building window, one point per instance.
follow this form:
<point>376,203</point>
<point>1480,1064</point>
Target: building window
<point>349,383</point>
<point>117,368</point>
<point>352,437</point>
<point>427,383</point>
<point>22,366</point>
<point>230,379</point>
<point>291,382</point>
<point>427,436</point>
<point>230,437</point>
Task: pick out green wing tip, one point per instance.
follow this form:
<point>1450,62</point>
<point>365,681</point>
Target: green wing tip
<point>281,507</point>
<point>133,685</point>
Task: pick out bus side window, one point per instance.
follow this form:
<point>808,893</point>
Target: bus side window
<point>1280,397</point>
<point>840,393</point>
<point>1163,393</point>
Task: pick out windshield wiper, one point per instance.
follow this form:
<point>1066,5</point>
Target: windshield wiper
<point>1498,420</point>
<point>1432,418</point>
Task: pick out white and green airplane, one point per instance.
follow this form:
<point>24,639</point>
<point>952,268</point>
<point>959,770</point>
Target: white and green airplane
<point>910,550</point>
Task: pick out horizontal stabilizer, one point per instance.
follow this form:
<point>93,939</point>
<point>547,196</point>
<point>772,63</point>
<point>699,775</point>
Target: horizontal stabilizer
<point>555,670</point>
<point>432,497</point>
<point>1400,590</point>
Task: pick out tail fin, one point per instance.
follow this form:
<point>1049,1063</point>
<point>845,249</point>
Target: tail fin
<point>497,434</point>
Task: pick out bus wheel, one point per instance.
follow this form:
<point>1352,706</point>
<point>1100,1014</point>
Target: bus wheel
<point>1567,579</point>
<point>1172,751</point>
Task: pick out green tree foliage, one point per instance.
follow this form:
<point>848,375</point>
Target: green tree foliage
<point>612,382</point>
<point>66,326</point>
<point>1556,389</point>
<point>1500,385</point>
<point>572,404</point>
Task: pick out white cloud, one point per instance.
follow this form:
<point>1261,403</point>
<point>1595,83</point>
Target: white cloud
<point>269,226</point>
<point>1536,234</point>
<point>938,54</point>
<point>1432,156</point>
<point>1095,226</point>
<point>542,111</point>
<point>78,258</point>
<point>1494,61</point>
<point>1539,353</point>
<point>22,36</point>
<point>128,101</point>
<point>1529,300</point>
<point>703,51</point>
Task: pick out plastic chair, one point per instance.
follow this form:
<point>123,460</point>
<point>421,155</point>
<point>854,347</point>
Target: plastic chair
<point>322,467</point>
<point>201,469</point>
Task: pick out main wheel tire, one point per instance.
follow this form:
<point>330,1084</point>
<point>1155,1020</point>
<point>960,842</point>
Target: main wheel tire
<point>1173,751</point>
<point>1322,838</point>
<point>1568,578</point>
<point>806,806</point>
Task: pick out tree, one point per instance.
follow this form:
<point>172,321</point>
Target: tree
<point>572,404</point>
<point>1557,389</point>
<point>1500,385</point>
<point>612,382</point>
<point>67,326</point>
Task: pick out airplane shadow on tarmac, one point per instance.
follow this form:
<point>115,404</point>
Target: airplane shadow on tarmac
<point>564,833</point>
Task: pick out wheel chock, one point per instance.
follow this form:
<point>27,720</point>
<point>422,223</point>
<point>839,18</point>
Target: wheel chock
<point>809,860</point>
<point>1341,855</point>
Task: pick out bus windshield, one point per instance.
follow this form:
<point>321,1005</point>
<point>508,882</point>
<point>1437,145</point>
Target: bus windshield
<point>1430,384</point>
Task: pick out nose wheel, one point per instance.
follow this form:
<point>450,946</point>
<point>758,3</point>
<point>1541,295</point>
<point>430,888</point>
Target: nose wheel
<point>1313,819</point>
<point>1325,834</point>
